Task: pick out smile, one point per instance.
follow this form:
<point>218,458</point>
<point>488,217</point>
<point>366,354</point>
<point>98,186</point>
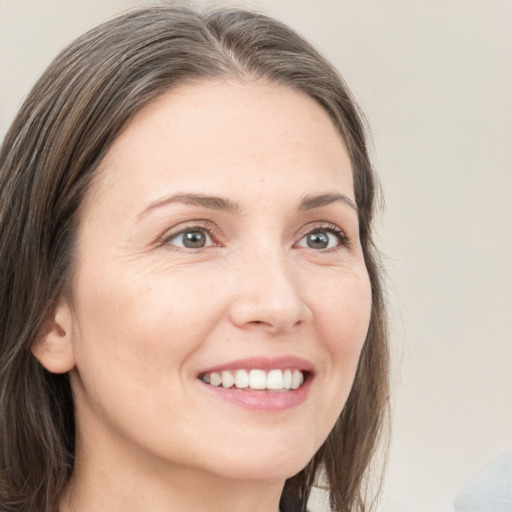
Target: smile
<point>260,383</point>
<point>255,379</point>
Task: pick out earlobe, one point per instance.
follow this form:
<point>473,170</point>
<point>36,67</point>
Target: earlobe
<point>53,347</point>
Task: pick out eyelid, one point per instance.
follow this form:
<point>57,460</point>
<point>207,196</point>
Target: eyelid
<point>215,233</point>
<point>211,229</point>
<point>329,227</point>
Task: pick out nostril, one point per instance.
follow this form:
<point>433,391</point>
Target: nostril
<point>275,316</point>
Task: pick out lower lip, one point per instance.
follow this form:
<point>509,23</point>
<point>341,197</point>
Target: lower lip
<point>261,400</point>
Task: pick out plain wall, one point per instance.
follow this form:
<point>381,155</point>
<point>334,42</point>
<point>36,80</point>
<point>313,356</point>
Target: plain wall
<point>435,80</point>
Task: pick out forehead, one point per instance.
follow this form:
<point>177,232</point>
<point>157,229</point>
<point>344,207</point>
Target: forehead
<point>206,133</point>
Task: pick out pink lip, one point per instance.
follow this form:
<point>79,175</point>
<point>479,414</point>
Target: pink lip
<point>263,400</point>
<point>263,363</point>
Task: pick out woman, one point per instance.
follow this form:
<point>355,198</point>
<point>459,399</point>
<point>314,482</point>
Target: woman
<point>191,314</point>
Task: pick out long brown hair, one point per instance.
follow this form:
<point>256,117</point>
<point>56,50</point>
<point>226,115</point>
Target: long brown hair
<point>63,130</point>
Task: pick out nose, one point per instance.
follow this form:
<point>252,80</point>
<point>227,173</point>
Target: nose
<point>269,296</point>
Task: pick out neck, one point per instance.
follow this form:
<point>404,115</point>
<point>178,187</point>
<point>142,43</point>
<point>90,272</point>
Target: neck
<point>128,483</point>
<point>192,497</point>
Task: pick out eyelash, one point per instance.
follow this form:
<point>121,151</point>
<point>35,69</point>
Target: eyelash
<point>213,233</point>
<point>343,241</point>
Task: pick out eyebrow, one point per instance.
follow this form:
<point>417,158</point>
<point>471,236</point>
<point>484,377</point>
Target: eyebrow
<point>210,202</point>
<point>224,204</point>
<point>311,202</point>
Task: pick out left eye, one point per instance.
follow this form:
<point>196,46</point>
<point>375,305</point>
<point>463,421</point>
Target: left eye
<point>192,238</point>
<point>321,239</point>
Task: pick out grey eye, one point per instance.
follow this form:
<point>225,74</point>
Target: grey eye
<point>191,239</point>
<point>322,239</point>
<point>194,239</point>
<point>317,240</point>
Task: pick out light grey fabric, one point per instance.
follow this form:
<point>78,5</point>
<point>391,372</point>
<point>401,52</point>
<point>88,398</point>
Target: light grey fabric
<point>490,490</point>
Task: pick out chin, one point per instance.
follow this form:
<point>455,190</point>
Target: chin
<point>269,465</point>
<point>263,472</point>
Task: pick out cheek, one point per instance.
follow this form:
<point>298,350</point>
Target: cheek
<point>342,314</point>
<point>344,318</point>
<point>345,315</point>
<point>133,330</point>
<point>135,340</point>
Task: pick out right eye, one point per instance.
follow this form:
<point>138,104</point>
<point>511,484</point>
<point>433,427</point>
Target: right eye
<point>191,238</point>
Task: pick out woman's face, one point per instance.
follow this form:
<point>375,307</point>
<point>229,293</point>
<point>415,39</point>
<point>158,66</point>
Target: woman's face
<point>219,241</point>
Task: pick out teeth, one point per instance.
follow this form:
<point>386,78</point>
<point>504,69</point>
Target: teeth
<point>287,378</point>
<point>257,379</point>
<point>241,379</point>
<point>297,379</point>
<point>215,379</point>
<point>227,379</point>
<point>275,380</point>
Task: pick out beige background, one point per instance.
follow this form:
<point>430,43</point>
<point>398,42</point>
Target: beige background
<point>435,79</point>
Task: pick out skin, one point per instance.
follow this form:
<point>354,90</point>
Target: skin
<point>147,314</point>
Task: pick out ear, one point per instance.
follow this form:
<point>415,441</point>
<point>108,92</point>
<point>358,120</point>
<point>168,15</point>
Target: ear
<point>53,347</point>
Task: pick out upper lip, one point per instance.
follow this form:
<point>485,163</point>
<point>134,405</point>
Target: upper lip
<point>263,363</point>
